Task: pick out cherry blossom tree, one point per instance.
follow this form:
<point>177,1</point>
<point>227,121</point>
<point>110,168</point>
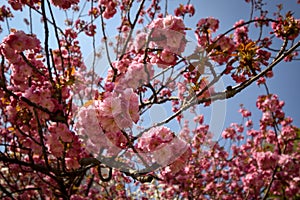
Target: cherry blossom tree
<point>79,128</point>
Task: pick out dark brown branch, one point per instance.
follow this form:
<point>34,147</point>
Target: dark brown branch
<point>31,65</point>
<point>57,39</point>
<point>89,185</point>
<point>37,167</point>
<point>46,32</point>
<point>132,28</point>
<point>41,135</point>
<point>105,42</point>
<point>3,189</point>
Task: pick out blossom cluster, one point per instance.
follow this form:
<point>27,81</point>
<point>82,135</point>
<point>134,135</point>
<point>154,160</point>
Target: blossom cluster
<point>102,121</point>
<point>64,4</point>
<point>19,4</point>
<point>286,27</point>
<point>109,8</point>
<point>183,9</point>
<point>258,159</point>
<point>161,146</point>
<point>68,133</point>
<point>168,33</point>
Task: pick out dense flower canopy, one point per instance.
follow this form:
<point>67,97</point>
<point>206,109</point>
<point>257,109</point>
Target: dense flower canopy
<point>70,132</point>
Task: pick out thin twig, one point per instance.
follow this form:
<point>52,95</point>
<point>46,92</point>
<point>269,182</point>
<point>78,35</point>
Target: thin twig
<point>132,28</point>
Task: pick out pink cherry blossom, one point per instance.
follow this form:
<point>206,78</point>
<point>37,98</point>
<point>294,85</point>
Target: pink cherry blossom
<point>64,4</point>
<point>19,41</point>
<point>208,24</point>
<point>136,75</point>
